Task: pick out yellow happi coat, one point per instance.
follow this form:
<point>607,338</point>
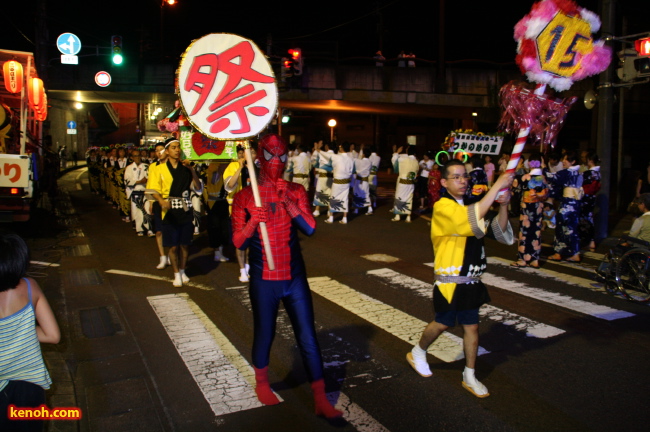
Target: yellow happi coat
<point>457,233</point>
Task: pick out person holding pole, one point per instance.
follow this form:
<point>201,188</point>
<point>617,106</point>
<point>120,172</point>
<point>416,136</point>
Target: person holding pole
<point>283,208</point>
<point>457,232</point>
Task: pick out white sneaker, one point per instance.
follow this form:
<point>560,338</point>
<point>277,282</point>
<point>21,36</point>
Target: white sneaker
<point>316,213</point>
<point>163,263</point>
<point>329,220</point>
<point>178,282</point>
<point>219,256</point>
<point>196,231</point>
<point>248,268</point>
<point>184,277</point>
<point>343,221</point>
<point>150,234</point>
<point>243,276</point>
<point>369,212</point>
<point>474,386</point>
<point>420,366</point>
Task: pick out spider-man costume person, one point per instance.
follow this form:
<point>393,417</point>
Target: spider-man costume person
<point>284,208</point>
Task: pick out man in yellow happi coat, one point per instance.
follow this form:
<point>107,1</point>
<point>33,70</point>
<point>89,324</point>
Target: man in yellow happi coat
<point>457,233</point>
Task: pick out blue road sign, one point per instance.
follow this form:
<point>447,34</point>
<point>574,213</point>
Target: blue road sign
<point>68,43</point>
<point>72,124</point>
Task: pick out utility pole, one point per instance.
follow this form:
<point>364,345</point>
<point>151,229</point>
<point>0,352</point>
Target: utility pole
<point>604,136</point>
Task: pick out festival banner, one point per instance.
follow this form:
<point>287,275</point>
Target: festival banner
<point>226,87</point>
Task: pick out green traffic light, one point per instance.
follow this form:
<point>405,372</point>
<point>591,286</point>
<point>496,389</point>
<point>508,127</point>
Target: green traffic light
<point>117,59</point>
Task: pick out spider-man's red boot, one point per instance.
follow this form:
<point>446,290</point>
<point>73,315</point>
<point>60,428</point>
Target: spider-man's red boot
<point>262,387</point>
<point>323,406</point>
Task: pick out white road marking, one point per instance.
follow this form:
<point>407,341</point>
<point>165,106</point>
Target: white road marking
<point>447,347</point>
<point>225,378</point>
<point>518,322</point>
<point>564,301</point>
<point>354,414</point>
<point>550,274</point>
<point>380,258</point>
<point>162,278</point>
<point>43,263</point>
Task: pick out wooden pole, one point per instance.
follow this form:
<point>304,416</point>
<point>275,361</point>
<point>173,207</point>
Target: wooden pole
<point>258,203</point>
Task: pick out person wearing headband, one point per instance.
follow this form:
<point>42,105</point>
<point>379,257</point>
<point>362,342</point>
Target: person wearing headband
<point>170,187</point>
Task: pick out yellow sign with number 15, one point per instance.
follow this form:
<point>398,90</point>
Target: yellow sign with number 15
<point>560,42</point>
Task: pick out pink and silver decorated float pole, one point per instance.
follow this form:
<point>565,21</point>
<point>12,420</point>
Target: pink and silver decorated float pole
<point>554,48</point>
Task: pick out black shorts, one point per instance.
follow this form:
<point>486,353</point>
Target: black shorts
<point>177,234</point>
<point>157,216</point>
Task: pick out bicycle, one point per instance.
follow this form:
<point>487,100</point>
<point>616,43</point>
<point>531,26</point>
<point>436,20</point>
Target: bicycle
<point>626,270</point>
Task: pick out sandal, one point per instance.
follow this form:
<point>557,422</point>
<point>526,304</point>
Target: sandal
<point>518,264</point>
<point>554,258</point>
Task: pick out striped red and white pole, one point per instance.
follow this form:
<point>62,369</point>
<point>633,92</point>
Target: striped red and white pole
<point>518,149</point>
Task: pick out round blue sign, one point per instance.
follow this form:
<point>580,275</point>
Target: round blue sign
<point>68,43</point>
<point>72,124</point>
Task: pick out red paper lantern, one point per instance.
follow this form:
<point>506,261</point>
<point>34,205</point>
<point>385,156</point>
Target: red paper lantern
<point>40,113</point>
<point>35,92</point>
<point>13,76</point>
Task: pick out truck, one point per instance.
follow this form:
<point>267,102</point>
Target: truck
<point>21,130</point>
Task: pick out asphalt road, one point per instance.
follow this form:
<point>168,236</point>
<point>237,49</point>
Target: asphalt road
<point>557,352</point>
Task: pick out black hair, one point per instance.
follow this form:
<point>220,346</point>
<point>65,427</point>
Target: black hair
<point>593,157</point>
<point>14,260</point>
<point>447,165</point>
<point>346,146</point>
<point>535,157</point>
<point>645,200</point>
<point>477,161</point>
<point>410,150</point>
<point>571,156</point>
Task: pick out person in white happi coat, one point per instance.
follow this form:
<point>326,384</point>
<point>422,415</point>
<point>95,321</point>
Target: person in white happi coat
<point>323,189</point>
<point>406,166</point>
<point>372,178</point>
<point>361,188</point>
<point>135,180</point>
<point>300,165</point>
<point>342,167</point>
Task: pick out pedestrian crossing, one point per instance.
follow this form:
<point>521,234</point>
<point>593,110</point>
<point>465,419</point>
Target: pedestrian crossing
<point>226,378</point>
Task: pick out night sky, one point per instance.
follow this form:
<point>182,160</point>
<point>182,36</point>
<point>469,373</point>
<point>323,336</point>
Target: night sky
<point>474,29</point>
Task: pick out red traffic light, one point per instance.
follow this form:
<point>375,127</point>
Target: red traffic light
<point>295,53</point>
<point>642,46</point>
<point>287,64</point>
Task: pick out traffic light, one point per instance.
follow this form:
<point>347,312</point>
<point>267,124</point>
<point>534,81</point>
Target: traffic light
<point>116,50</point>
<point>286,68</point>
<point>642,62</point>
<point>296,56</point>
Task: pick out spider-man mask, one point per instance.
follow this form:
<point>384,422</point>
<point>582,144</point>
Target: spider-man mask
<point>272,154</point>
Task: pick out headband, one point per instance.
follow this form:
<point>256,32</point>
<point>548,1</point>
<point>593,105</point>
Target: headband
<point>169,142</point>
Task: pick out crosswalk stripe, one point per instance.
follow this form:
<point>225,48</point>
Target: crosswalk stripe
<point>447,347</point>
<point>564,301</point>
<point>493,313</point>
<point>550,274</point>
<point>225,378</point>
<point>161,278</point>
<point>336,351</point>
<point>380,258</point>
<point>567,302</point>
<point>352,413</point>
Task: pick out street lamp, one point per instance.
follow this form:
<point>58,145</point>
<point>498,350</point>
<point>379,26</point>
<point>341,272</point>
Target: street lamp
<point>331,124</point>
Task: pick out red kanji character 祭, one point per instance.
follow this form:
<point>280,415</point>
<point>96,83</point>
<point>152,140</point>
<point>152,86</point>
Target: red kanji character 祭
<point>285,209</point>
<point>237,63</point>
